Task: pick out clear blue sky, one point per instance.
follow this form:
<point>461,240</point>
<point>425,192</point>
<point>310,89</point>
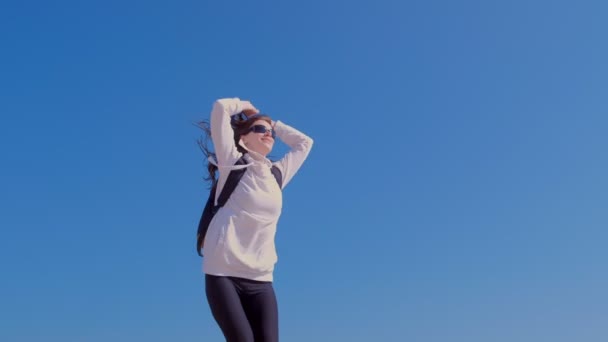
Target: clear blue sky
<point>457,189</point>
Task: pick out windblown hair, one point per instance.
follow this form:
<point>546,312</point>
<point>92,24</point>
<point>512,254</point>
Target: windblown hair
<point>240,127</point>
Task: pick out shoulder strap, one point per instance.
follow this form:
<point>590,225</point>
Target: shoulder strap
<point>276,172</point>
<point>206,217</point>
<point>210,209</point>
<point>234,177</point>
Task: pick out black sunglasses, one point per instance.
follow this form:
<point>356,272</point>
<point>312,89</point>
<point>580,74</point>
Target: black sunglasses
<point>262,129</point>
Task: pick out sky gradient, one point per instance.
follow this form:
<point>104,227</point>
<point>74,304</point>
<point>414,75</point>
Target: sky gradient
<point>456,190</point>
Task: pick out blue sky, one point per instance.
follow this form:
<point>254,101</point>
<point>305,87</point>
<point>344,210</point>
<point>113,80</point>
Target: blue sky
<point>456,191</point>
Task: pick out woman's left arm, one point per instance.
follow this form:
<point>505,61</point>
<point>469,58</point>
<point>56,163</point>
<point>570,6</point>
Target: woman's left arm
<point>300,145</point>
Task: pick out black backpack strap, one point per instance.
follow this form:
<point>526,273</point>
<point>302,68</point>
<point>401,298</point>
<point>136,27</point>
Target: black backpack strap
<point>276,172</point>
<point>234,177</point>
<point>232,181</point>
<point>206,217</point>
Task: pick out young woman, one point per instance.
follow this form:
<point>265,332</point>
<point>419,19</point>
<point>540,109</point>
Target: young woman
<point>239,247</point>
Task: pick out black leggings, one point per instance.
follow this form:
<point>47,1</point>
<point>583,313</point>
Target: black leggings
<point>246,310</point>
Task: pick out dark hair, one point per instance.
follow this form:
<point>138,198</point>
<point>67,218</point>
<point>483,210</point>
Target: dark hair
<point>240,127</point>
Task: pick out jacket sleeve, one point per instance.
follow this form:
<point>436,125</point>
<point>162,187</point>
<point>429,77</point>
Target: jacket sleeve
<point>300,145</point>
<point>222,136</point>
<point>222,133</point>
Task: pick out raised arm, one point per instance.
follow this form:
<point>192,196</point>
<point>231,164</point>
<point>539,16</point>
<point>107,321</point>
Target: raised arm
<point>300,145</point>
<point>222,133</point>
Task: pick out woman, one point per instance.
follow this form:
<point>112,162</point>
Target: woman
<point>239,249</point>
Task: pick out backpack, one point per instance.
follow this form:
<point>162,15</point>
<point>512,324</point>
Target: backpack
<point>233,180</point>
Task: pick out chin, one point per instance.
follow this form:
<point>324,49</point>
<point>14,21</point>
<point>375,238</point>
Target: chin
<point>267,147</point>
<point>263,150</point>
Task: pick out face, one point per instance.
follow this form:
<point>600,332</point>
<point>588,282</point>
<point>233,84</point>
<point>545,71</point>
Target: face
<point>257,141</point>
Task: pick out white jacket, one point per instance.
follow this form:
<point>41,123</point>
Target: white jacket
<point>240,237</point>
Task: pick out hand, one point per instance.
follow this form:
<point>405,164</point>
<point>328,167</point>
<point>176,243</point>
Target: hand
<point>248,108</point>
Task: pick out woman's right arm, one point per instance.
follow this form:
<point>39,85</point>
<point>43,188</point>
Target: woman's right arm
<point>222,133</point>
